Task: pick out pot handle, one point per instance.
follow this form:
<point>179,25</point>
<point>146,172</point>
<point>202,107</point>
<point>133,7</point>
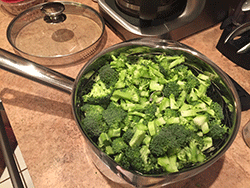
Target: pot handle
<point>192,11</point>
<point>36,72</point>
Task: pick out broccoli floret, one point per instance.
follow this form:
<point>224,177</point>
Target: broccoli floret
<point>217,131</point>
<point>93,122</point>
<point>122,160</point>
<point>127,136</point>
<point>118,63</point>
<point>201,91</point>
<point>216,107</point>
<point>155,86</point>
<point>169,62</point>
<point>121,79</point>
<point>134,157</point>
<point>181,70</point>
<point>171,88</point>
<point>191,82</point>
<point>164,71</point>
<point>108,75</point>
<point>114,114</point>
<point>168,113</point>
<point>173,136</point>
<point>89,109</point>
<point>99,94</point>
<point>193,152</point>
<point>114,132</point>
<point>94,125</point>
<point>150,111</point>
<point>118,145</point>
<point>104,140</point>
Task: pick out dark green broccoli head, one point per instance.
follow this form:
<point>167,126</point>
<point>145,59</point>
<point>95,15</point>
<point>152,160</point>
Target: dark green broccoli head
<point>165,72</point>
<point>124,161</point>
<point>132,160</point>
<point>171,88</point>
<point>94,125</point>
<point>162,142</point>
<point>134,157</point>
<point>217,131</point>
<point>169,138</point>
<point>152,167</point>
<point>114,114</point>
<point>150,111</point>
<point>108,75</point>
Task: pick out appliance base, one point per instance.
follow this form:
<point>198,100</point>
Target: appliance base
<point>126,26</point>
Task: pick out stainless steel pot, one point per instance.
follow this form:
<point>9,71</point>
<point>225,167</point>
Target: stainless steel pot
<point>104,163</point>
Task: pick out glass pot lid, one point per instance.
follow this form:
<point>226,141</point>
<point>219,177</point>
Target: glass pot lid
<point>56,30</point>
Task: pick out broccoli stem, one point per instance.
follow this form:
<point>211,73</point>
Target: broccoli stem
<point>137,138</point>
<point>168,163</point>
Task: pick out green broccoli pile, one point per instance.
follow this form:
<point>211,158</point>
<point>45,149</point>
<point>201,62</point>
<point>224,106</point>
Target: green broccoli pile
<point>152,115</point>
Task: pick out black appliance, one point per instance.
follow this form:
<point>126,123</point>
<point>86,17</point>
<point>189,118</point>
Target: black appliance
<point>234,42</point>
<point>170,19</point>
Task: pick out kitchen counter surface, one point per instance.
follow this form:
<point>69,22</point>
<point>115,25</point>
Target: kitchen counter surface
<point>53,147</point>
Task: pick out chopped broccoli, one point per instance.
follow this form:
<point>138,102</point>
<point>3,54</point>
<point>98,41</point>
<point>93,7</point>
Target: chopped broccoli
<point>118,145</point>
<point>104,140</point>
<point>127,136</point>
<point>130,93</point>
<point>173,136</point>
<point>93,122</point>
<point>118,63</point>
<point>113,114</point>
<point>152,113</point>
<point>137,138</point>
<point>169,62</point>
<point>94,126</point>
<point>169,163</point>
<point>133,155</point>
<point>171,88</point>
<point>168,113</point>
<point>122,160</point>
<point>191,82</point>
<point>138,159</point>
<point>217,131</point>
<point>99,94</point>
<point>89,109</point>
<point>218,111</point>
<point>181,70</point>
<point>108,76</point>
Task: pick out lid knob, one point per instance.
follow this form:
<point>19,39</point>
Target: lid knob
<point>53,12</point>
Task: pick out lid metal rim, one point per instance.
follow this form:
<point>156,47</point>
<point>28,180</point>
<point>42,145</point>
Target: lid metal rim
<point>10,26</point>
